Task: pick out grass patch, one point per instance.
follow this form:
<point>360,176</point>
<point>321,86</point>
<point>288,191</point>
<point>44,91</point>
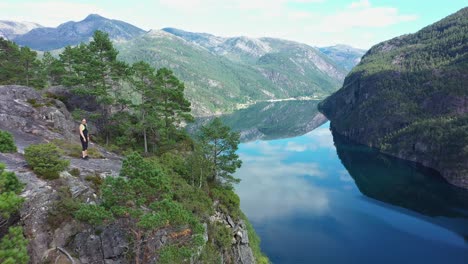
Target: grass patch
<point>75,172</point>
<point>34,103</point>
<point>74,150</point>
<point>96,181</point>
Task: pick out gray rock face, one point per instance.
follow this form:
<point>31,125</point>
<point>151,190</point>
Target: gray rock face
<point>73,33</point>
<point>240,251</point>
<point>34,119</point>
<point>11,29</point>
<point>109,246</point>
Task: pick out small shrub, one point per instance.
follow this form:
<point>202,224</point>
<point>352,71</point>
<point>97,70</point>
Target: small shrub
<point>45,160</point>
<point>7,143</point>
<point>10,187</point>
<point>33,102</point>
<point>209,255</point>
<point>93,214</point>
<point>62,209</point>
<point>96,180</point>
<point>75,172</point>
<point>9,182</point>
<point>10,203</point>
<point>220,235</point>
<point>13,247</point>
<point>174,254</point>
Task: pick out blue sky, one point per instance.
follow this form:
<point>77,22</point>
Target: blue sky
<point>360,23</point>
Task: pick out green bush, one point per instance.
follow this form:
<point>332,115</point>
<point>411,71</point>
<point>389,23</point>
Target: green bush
<point>9,182</point>
<point>174,254</point>
<point>209,255</point>
<point>13,247</point>
<point>45,160</point>
<point>10,187</point>
<point>7,143</point>
<point>63,208</point>
<point>220,235</point>
<point>75,172</point>
<point>33,102</point>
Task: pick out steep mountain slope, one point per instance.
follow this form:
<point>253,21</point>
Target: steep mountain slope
<point>408,97</point>
<point>212,82</point>
<point>48,214</point>
<point>72,33</point>
<point>346,56</point>
<point>10,29</point>
<point>221,73</point>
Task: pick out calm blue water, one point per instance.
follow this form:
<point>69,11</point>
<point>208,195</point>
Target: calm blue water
<point>320,199</point>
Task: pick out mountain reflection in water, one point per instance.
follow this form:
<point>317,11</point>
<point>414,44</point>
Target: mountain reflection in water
<point>318,198</point>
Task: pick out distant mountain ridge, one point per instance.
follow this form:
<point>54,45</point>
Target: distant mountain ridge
<point>220,73</point>
<point>73,33</point>
<point>345,55</point>
<point>11,29</point>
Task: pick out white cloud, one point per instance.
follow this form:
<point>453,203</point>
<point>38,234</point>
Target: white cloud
<point>295,147</point>
<point>49,13</point>
<point>271,188</point>
<point>362,3</point>
<point>362,14</point>
<point>359,23</point>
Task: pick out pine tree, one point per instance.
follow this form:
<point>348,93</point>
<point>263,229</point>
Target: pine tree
<point>173,106</point>
<point>219,146</point>
<point>144,82</point>
<point>52,69</point>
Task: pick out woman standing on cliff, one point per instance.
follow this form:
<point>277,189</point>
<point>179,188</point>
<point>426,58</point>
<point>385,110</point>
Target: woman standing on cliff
<point>84,138</point>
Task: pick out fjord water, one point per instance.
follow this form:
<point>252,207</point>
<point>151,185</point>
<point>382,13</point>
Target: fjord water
<point>318,198</point>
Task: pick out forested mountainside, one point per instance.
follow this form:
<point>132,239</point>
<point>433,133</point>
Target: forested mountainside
<point>408,97</point>
<point>221,74</point>
<point>236,71</point>
<point>175,202</point>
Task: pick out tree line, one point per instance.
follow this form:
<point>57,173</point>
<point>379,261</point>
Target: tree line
<point>139,108</point>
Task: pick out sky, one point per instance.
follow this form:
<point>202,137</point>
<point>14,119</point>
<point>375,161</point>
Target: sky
<point>359,23</point>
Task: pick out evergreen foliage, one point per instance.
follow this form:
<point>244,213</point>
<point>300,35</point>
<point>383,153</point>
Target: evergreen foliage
<point>45,160</point>
<point>219,145</point>
<point>19,65</point>
<point>10,187</point>
<point>7,143</point>
<point>13,247</point>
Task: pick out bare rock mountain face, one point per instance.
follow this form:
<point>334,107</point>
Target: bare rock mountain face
<point>73,33</point>
<point>11,29</point>
<point>33,118</point>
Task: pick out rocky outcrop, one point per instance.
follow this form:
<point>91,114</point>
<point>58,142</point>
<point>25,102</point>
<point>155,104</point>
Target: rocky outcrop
<point>23,111</point>
<point>240,249</point>
<point>34,119</point>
